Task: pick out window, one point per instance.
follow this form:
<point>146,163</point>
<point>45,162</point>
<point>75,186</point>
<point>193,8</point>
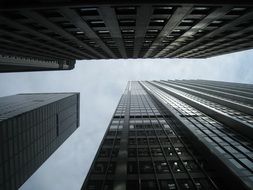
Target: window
<point>137,126</point>
<point>96,23</point>
<point>111,133</point>
<point>103,31</point>
<point>106,152</point>
<point>132,152</point>
<point>92,11</point>
<point>167,185</point>
<point>181,151</point>
<point>146,167</point>
<point>247,162</point>
<point>79,32</point>
<point>148,185</point>
<point>153,141</point>
<point>111,168</point>
<point>216,23</point>
<point>185,184</point>
<point>191,166</point>
<point>113,127</point>
<point>143,152</point>
<point>125,10</point>
<point>202,184</point>
<point>128,31</point>
<point>160,133</point>
<point>152,31</point>
<point>165,141</point>
<point>162,167</point>
<point>166,126</point>
<point>132,184</point>
<point>157,22</point>
<point>200,10</point>
<point>169,152</point>
<point>156,152</point>
<point>187,22</point>
<point>131,141</point>
<point>176,166</point>
<point>132,168</point>
<point>141,133</point>
<point>230,149</point>
<point>100,168</point>
<point>142,141</point>
<point>163,10</point>
<point>237,11</point>
<point>94,185</point>
<point>127,22</point>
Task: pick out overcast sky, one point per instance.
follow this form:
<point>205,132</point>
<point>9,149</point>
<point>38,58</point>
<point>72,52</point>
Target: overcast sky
<point>101,83</point>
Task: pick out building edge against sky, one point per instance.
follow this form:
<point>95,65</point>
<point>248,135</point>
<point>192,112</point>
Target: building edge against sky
<point>37,36</point>
<point>182,134</point>
<point>32,127</point>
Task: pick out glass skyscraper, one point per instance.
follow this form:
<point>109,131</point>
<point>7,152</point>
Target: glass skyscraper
<point>32,127</point>
<point>36,35</point>
<point>182,134</point>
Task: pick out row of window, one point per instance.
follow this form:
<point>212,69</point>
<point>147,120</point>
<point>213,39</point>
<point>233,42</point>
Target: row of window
<point>158,10</point>
<point>161,167</point>
<point>234,113</point>
<point>145,167</point>
<point>224,140</point>
<point>182,184</point>
<point>127,22</point>
<point>151,133</point>
<point>229,96</point>
<point>157,152</point>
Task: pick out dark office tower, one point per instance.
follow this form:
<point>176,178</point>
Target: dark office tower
<point>32,127</point>
<point>14,63</point>
<point>44,35</point>
<point>177,135</point>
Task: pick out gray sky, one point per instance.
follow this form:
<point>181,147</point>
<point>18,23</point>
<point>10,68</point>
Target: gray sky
<point>101,83</point>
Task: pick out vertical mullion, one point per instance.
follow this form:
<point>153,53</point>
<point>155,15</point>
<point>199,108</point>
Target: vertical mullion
<point>137,153</point>
<point>150,152</point>
<point>164,155</point>
<point>110,157</point>
<point>196,160</point>
<point>120,177</point>
<point>190,154</point>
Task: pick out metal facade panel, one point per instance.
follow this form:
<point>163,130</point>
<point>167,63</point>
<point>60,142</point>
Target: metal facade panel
<point>33,126</point>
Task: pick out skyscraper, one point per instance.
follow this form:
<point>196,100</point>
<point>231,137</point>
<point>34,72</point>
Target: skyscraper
<point>182,134</point>
<point>15,63</point>
<point>32,127</point>
<point>51,35</point>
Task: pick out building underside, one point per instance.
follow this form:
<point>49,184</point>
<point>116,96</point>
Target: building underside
<point>65,31</point>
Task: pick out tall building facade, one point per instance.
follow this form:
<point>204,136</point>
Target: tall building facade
<point>50,35</point>
<point>177,135</point>
<point>32,127</point>
<point>17,63</point>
